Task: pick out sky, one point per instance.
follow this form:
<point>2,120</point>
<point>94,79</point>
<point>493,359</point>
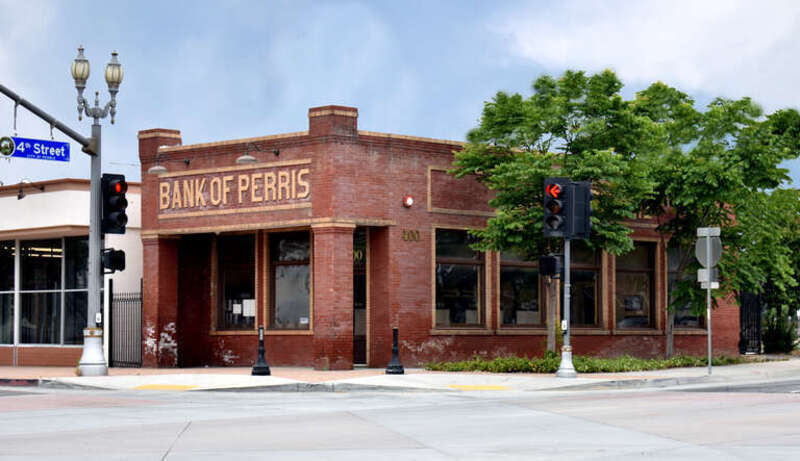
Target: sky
<point>236,69</point>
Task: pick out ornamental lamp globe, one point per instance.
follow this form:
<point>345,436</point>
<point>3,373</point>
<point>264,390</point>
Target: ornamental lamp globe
<point>80,70</point>
<point>113,73</point>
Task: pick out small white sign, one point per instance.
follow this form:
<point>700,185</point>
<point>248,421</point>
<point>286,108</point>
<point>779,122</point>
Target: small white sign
<point>249,307</point>
<point>237,309</point>
<point>714,285</point>
<point>303,320</point>
<point>563,325</point>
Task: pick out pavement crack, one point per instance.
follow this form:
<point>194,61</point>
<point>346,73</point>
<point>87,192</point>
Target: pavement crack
<point>176,440</point>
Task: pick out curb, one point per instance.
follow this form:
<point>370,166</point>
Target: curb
<point>19,382</point>
<point>638,383</point>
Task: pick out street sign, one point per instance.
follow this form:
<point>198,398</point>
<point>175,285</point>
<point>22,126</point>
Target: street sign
<point>41,149</point>
<point>700,250</point>
<point>702,275</point>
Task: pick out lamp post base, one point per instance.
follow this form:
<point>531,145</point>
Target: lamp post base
<point>93,362</point>
<point>565,368</point>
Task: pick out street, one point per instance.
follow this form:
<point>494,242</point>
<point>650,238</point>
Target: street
<point>151,425</point>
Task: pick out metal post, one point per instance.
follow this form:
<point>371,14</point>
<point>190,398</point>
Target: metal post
<point>565,368</point>
<point>93,362</point>
<point>708,299</point>
<point>395,367</point>
<point>261,368</point>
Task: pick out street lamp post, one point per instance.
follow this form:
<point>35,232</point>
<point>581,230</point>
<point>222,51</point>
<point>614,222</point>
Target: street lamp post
<point>92,362</point>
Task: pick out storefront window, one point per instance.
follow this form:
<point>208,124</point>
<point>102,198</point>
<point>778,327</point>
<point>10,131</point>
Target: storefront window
<point>40,299</point>
<point>635,287</point>
<point>6,292</point>
<point>290,280</point>
<point>684,318</point>
<point>459,280</point>
<point>519,291</point>
<point>237,274</point>
<point>584,286</point>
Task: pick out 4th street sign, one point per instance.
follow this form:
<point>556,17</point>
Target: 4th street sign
<point>40,149</point>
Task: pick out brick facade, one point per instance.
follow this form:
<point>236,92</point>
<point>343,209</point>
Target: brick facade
<point>328,181</point>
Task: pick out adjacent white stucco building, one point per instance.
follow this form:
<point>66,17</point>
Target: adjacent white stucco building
<point>44,228</point>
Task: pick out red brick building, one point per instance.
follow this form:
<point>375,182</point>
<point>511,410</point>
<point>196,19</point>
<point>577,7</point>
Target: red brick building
<point>334,236</point>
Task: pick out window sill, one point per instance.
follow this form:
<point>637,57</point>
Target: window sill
<point>640,331</point>
<point>521,331</point>
<point>232,332</point>
<point>578,331</point>
<point>689,331</point>
<point>461,331</point>
<point>288,332</point>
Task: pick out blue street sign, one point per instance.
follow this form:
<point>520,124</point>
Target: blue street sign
<point>41,149</point>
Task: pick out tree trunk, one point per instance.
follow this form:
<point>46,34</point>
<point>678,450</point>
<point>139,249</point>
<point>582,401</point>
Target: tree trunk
<point>550,290</point>
<point>670,337</point>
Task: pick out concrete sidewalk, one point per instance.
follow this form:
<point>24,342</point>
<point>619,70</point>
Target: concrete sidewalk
<point>296,379</point>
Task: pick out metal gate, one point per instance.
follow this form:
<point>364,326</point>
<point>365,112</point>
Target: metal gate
<point>125,343</point>
<point>750,323</point>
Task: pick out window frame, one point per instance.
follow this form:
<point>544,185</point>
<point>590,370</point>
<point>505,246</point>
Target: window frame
<point>701,328</point>
<point>484,288</point>
<point>656,283</point>
<point>600,267</point>
<point>269,285</point>
<point>216,288</point>
<point>538,327</point>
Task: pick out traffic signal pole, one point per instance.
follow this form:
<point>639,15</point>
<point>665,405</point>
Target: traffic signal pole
<point>565,368</point>
<point>93,362</point>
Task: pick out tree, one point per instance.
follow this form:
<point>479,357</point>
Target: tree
<point>655,154</point>
<point>577,126</point>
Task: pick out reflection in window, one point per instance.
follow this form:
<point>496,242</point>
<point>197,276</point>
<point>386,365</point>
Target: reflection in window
<point>40,318</point>
<point>459,280</point>
<point>635,287</point>
<point>75,309</point>
<point>584,286</point>
<point>519,291</point>
<point>684,318</point>
<point>236,266</point>
<point>6,318</point>
<point>40,264</point>
<point>76,270</point>
<point>290,280</point>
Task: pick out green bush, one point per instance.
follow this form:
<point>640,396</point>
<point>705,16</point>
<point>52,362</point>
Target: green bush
<point>779,332</point>
<point>583,364</point>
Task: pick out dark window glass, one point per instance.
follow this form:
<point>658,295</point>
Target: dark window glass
<point>584,307</point>
<point>6,266</point>
<point>6,318</point>
<point>290,280</point>
<point>684,318</point>
<point>236,266</point>
<point>77,263</point>
<point>459,280</point>
<point>635,287</point>
<point>75,308</point>
<point>40,320</point>
<point>519,291</point>
<point>40,263</point>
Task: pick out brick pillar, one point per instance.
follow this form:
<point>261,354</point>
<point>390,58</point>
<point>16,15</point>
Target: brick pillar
<point>380,315</point>
<point>333,297</point>
<point>160,310</point>
<point>333,121</point>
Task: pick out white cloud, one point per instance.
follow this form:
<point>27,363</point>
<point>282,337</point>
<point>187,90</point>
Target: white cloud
<point>725,47</point>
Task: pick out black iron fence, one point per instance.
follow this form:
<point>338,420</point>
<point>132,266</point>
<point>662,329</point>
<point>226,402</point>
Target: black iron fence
<point>125,343</point>
<point>750,323</point>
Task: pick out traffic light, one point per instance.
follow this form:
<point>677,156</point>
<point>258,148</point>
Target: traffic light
<point>114,187</point>
<point>581,223</point>
<point>556,207</point>
<point>113,260</point>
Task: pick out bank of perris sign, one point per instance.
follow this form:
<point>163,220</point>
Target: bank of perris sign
<point>239,189</point>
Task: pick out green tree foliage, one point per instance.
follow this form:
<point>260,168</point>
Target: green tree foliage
<point>656,154</point>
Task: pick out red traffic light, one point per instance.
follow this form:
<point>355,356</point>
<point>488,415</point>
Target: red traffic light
<point>118,186</point>
<point>553,190</point>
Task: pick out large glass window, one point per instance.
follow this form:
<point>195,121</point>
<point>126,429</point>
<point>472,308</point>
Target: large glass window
<point>635,287</point>
<point>584,302</point>
<point>459,280</point>
<point>519,291</point>
<point>684,318</point>
<point>237,276</point>
<point>290,280</point>
<point>52,288</point>
<point>7,292</point>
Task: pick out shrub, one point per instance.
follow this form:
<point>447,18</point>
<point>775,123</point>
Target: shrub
<point>778,332</point>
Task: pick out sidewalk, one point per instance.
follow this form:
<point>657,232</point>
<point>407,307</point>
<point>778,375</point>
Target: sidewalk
<point>297,379</point>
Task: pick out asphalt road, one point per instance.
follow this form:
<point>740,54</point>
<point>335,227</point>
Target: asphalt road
<point>781,387</point>
<point>150,425</point>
